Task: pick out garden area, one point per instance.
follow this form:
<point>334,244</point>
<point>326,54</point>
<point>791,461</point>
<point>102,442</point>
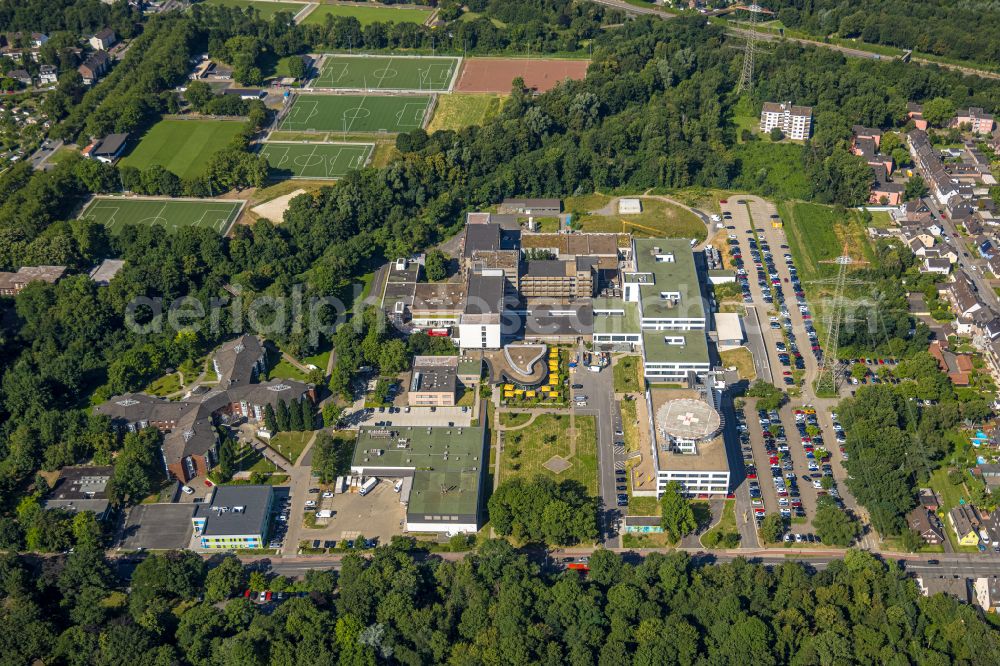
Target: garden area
<point>290,444</point>
<point>549,447</point>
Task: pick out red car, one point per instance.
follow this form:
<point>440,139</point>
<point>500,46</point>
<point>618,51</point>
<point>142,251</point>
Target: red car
<point>751,475</point>
<point>723,201</point>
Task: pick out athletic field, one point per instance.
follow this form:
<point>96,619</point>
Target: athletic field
<point>183,146</point>
<point>316,160</point>
<point>367,15</point>
<point>173,214</point>
<point>356,113</point>
<point>386,73</point>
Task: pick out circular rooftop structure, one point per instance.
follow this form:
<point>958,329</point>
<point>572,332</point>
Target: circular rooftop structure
<point>687,418</point>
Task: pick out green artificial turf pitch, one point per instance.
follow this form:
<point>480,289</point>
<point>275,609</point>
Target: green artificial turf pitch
<point>356,113</point>
<point>183,147</point>
<point>316,160</point>
<point>386,73</point>
<point>173,214</point>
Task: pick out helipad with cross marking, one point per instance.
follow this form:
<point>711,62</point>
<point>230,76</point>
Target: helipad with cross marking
<point>688,418</point>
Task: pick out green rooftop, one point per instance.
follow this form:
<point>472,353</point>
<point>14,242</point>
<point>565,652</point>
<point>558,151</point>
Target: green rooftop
<point>693,350</point>
<point>446,462</point>
<point>617,324</point>
<point>670,262</point>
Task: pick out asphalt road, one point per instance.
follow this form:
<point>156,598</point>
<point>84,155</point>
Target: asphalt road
<point>599,389</point>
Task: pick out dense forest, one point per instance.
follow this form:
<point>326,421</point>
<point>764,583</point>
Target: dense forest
<point>81,17</point>
<point>938,27</point>
<point>492,607</point>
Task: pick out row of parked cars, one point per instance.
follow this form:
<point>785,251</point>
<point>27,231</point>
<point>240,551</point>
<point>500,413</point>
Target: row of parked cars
<point>280,528</point>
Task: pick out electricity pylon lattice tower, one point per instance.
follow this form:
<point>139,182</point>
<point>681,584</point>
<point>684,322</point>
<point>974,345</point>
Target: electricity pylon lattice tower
<point>826,380</point>
<point>746,77</point>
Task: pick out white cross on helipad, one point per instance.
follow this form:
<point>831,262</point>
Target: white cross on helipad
<point>688,418</point>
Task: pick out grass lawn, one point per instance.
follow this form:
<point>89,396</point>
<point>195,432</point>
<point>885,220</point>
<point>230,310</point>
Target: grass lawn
<point>61,155</point>
<point>526,451</point>
<point>290,444</point>
<point>467,398</point>
<point>775,168</point>
<point>630,425</point>
<point>182,147</point>
<point>742,359</point>
<point>652,540</point>
<point>266,9</point>
<point>626,371</point>
<point>164,386</point>
<point>455,111</point>
<point>657,219</point>
<point>285,370</point>
<point>728,522</point>
<point>744,118</point>
<point>319,360</point>
<point>367,15</point>
<point>643,506</point>
<point>881,219</point>
<point>356,113</point>
<point>514,419</point>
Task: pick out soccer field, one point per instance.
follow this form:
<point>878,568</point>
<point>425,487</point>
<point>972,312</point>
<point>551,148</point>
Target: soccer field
<point>183,146</point>
<point>356,113</point>
<point>173,214</point>
<point>316,160</point>
<point>386,73</point>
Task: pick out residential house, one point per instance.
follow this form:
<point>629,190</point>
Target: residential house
<point>929,499</point>
<point>21,76</point>
<point>961,293</point>
<point>952,586</point>
<point>883,191</point>
<point>872,133</point>
<point>978,120</point>
<point>991,475</point>
<point>940,252</point>
<point>104,40</point>
<point>915,112</point>
<point>987,593</point>
<point>94,67</point>
<point>47,74</point>
<point>795,122</point>
<point>923,523</point>
<point>11,284</point>
<point>965,521</point>
<point>928,161</point>
<point>937,265</point>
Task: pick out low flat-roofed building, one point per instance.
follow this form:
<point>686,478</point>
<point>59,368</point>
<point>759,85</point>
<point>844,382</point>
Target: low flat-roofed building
<point>437,304</point>
<point>687,440</point>
<point>11,284</point>
<point>433,382</point>
<point>107,149</point>
<point>672,356</point>
<point>82,488</point>
<point>104,272</point>
<point>987,593</point>
<point>729,330</point>
<point>235,517</point>
<point>555,323</point>
<point>530,206</point>
<point>447,467</point>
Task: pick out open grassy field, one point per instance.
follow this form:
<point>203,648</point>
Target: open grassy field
<point>658,219</point>
<point>742,359</point>
<point>366,15</point>
<point>315,160</point>
<point>266,8</point>
<point>526,451</point>
<point>367,72</point>
<point>773,169</point>
<point>182,147</point>
<point>115,212</point>
<point>626,373</point>
<point>290,444</point>
<point>744,118</point>
<point>460,110</point>
<point>356,113</point>
<point>816,233</point>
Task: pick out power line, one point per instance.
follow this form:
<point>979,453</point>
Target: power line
<point>746,76</point>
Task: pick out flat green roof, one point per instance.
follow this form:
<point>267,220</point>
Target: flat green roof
<point>679,274</point>
<point>611,324</point>
<point>470,366</point>
<point>656,350</point>
<point>447,464</point>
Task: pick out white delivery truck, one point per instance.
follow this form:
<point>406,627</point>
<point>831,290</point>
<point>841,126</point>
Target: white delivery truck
<point>368,485</point>
<point>396,487</point>
<point>325,513</point>
<point>339,485</point>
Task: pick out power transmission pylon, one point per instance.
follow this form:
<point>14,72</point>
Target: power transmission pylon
<point>826,381</point>
<point>746,77</point>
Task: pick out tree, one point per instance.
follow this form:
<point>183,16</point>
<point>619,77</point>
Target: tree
<point>138,467</point>
<point>281,417</point>
<point>676,514</point>
<point>938,111</point>
<point>198,94</point>
<point>270,420</point>
<point>916,188</point>
<point>436,265</point>
<point>768,396</point>
<point>308,414</point>
<point>771,528</point>
<point>227,458</point>
<point>295,418</point>
<point>776,134</point>
<point>331,456</point>
<point>225,580</point>
<point>859,371</point>
<point>833,525</point>
<point>911,541</point>
<point>297,67</point>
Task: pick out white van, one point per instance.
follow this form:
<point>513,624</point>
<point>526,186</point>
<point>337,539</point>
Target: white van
<point>325,513</point>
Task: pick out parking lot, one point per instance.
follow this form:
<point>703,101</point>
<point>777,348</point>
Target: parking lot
<point>158,527</point>
<point>781,449</point>
<point>378,514</point>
